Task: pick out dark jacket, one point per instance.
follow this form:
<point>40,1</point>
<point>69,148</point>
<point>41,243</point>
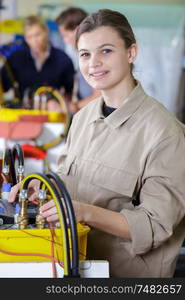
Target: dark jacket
<point>57,71</point>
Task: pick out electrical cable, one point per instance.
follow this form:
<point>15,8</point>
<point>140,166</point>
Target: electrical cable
<point>61,213</point>
<point>46,239</point>
<point>54,270</point>
<point>52,257</point>
<point>72,221</point>
<point>37,236</point>
<point>53,192</point>
<point>28,254</point>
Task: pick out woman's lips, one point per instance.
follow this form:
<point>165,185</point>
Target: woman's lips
<point>98,74</point>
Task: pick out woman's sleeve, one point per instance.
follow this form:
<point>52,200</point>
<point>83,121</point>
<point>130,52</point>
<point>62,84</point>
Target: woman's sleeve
<point>162,196</point>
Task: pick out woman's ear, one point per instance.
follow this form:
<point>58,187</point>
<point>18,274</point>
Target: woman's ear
<point>132,53</point>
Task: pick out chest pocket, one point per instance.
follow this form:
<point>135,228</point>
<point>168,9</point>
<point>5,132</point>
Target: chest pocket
<point>68,166</point>
<point>117,181</point>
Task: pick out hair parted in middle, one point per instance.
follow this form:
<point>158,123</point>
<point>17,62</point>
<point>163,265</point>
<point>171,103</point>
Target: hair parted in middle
<point>111,18</point>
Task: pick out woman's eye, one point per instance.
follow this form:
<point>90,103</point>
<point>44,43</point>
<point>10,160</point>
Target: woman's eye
<point>106,51</point>
<point>85,54</point>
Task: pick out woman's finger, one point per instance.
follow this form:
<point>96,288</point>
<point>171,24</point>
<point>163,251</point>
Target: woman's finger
<point>47,205</point>
<point>52,218</point>
<point>49,212</point>
<point>13,193</point>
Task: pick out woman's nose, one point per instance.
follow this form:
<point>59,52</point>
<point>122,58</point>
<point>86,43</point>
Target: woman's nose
<point>95,61</point>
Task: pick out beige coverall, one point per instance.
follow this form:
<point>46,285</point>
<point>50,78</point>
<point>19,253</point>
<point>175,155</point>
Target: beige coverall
<point>139,149</point>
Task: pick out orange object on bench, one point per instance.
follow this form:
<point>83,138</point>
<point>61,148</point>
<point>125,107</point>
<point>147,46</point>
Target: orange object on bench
<point>20,130</point>
<point>31,151</point>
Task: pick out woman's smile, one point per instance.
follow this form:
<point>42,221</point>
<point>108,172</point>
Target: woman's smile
<point>98,75</point>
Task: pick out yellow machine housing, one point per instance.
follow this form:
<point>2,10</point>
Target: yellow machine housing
<point>13,115</point>
<point>37,241</point>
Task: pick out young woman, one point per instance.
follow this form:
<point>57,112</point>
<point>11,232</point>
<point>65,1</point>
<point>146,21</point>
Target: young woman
<point>123,162</point>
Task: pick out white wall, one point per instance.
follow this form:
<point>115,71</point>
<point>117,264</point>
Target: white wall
<point>27,7</point>
<point>10,9</point>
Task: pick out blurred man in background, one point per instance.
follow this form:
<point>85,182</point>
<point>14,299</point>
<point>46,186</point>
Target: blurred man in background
<point>38,64</point>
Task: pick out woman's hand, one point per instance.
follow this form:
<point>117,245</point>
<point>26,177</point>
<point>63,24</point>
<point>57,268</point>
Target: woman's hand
<point>33,188</point>
<point>100,218</point>
<point>49,211</point>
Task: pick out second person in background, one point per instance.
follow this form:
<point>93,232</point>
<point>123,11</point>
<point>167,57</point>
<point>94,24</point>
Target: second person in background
<point>68,22</point>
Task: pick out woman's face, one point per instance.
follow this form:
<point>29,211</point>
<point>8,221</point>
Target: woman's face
<point>103,59</point>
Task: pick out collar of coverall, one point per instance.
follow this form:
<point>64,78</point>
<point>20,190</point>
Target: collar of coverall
<point>124,112</point>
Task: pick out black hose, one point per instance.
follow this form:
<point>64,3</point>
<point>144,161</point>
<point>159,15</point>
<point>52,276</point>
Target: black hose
<point>18,152</point>
<point>72,221</point>
<point>12,170</point>
<point>25,186</point>
<point>7,158</point>
<point>8,161</point>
